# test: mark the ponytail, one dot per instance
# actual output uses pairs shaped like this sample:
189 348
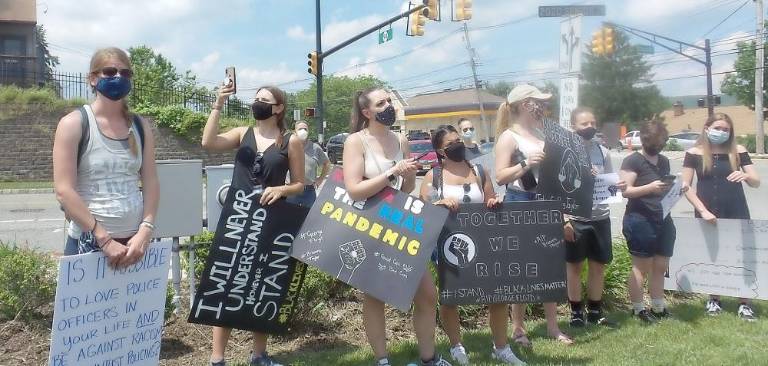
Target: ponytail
360 101
503 118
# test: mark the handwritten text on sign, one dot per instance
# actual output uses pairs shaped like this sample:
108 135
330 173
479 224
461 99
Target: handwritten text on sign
513 253
606 189
104 316
729 258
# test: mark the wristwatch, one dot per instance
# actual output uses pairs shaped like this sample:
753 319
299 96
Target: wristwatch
392 177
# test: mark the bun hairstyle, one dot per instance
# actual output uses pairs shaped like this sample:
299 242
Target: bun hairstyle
101 59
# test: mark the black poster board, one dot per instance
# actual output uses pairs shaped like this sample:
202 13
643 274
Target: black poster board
380 246
250 280
565 175
513 253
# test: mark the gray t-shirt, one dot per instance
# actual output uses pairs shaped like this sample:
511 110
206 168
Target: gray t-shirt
314 158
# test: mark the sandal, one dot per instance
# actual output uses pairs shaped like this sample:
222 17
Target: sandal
522 340
563 338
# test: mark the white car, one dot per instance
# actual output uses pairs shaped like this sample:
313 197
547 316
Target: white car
686 140
632 138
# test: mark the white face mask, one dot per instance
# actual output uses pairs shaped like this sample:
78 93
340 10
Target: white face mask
302 134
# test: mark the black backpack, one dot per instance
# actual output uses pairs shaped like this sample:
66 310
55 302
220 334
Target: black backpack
85 133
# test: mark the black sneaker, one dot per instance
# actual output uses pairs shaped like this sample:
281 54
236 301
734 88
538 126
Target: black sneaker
646 316
662 314
577 319
596 317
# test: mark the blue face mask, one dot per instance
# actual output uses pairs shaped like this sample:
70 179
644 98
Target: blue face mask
717 137
114 88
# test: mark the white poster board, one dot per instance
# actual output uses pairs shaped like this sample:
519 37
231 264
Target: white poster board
729 258
606 189
104 316
569 99
570 45
672 197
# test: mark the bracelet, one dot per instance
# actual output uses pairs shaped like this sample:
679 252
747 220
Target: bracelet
95 222
148 225
102 246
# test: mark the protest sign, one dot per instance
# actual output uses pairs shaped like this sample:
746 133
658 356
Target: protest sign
606 189
513 253
106 316
250 281
565 175
672 197
729 258
380 246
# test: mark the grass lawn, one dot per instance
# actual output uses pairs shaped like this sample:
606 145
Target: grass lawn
25 185
689 338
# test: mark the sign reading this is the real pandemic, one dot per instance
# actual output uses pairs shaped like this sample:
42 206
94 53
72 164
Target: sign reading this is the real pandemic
380 246
513 253
107 316
729 258
565 175
250 280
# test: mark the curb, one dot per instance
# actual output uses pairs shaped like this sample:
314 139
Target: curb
26 191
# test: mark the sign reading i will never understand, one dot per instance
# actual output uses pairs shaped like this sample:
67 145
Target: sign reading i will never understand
380 246
106 316
513 253
565 175
250 281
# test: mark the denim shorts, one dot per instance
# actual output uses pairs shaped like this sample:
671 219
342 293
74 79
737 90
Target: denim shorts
514 195
306 198
648 237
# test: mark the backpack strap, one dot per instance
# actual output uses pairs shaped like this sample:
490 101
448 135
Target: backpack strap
85 134
480 172
140 130
437 180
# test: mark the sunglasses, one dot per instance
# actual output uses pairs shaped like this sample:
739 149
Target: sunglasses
467 129
110 71
466 198
257 168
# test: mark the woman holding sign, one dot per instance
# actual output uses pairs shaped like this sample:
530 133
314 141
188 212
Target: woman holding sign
101 153
519 151
720 165
455 181
277 152
650 236
374 158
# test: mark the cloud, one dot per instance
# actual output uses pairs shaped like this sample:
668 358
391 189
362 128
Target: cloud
354 68
339 31
297 33
205 65
250 78
646 11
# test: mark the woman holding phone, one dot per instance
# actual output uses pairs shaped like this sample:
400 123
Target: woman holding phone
278 152
374 158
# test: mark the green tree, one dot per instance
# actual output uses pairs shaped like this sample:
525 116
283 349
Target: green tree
337 94
500 88
741 83
554 102
157 82
619 87
49 61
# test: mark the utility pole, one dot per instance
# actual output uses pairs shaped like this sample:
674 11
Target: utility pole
708 65
319 96
473 64
759 62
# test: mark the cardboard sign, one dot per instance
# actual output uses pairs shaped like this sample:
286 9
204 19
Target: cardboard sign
565 175
606 189
514 253
380 246
729 258
104 316
674 195
250 281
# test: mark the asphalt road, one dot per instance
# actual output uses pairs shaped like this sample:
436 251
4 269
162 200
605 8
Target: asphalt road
35 219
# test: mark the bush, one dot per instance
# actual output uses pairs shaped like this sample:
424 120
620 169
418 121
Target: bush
673 145
749 143
27 281
15 101
202 246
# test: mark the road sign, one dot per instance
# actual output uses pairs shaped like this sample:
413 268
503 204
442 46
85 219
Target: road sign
645 49
569 99
570 45
296 114
385 35
569 10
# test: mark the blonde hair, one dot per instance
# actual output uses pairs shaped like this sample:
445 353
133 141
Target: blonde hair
730 145
99 60
506 116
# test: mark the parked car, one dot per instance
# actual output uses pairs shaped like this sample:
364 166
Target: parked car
335 147
685 140
428 161
632 138
418 135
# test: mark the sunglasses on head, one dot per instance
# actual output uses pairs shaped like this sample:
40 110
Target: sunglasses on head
110 71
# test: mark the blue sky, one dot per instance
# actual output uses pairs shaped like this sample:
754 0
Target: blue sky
267 40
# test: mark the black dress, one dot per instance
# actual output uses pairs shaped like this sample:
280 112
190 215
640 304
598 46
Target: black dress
724 199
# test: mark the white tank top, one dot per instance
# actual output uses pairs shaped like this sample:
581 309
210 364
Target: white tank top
376 165
108 182
527 147
457 192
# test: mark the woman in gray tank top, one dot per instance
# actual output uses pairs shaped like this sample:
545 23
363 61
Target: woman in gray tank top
101 154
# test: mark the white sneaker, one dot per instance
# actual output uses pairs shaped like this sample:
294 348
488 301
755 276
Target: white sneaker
459 354
506 356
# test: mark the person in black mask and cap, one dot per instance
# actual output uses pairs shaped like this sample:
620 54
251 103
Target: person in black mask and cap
278 151
589 238
650 236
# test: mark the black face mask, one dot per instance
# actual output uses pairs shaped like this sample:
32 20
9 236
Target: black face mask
387 117
587 133
455 152
261 110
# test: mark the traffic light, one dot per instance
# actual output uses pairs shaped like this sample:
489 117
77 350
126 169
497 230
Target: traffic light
598 46
416 23
603 42
608 44
433 6
313 63
462 10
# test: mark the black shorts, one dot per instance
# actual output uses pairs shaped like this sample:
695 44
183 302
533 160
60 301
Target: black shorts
593 241
647 238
